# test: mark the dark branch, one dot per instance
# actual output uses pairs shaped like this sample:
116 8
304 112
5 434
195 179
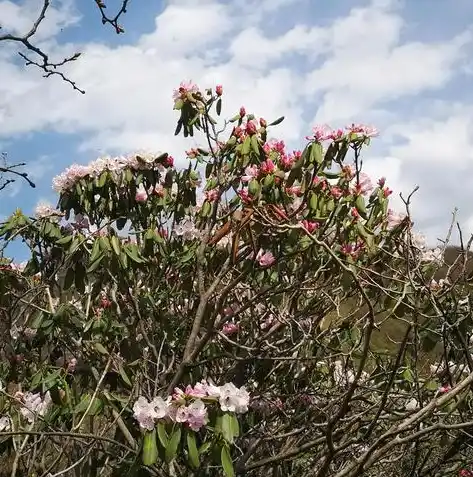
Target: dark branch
11 170
43 62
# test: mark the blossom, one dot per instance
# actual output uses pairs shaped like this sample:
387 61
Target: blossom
196 415
268 166
233 399
363 130
219 90
394 219
230 329
141 194
251 128
242 111
364 184
322 132
43 210
5 424
211 195
265 259
184 89
146 413
336 192
34 405
310 226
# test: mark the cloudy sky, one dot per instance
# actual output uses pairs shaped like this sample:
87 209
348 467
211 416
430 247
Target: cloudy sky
404 66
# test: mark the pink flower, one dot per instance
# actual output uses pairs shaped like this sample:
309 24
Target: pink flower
381 181
265 259
211 195
219 90
361 129
168 161
229 329
268 167
198 391
242 111
245 196
394 219
387 192
251 172
141 194
322 132
336 192
354 213
184 88
445 389
294 190
181 414
196 415
364 186
159 190
146 413
251 128
310 226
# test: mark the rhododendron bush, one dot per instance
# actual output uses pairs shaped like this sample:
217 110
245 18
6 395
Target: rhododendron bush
260 310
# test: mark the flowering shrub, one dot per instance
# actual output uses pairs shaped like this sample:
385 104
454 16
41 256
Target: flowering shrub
261 310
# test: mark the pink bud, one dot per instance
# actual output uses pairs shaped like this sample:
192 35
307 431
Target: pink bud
263 123
219 90
251 128
382 181
169 161
242 111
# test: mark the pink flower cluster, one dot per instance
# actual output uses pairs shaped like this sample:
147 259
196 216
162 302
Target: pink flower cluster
323 132
136 161
185 88
190 406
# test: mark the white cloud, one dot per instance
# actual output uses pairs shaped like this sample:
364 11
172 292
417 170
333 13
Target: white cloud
18 18
350 68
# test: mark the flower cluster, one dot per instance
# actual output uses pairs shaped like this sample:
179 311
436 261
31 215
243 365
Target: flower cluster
136 161
189 406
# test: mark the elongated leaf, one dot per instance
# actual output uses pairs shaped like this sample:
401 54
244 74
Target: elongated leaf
227 463
115 244
124 376
278 121
173 444
192 449
150 449
162 434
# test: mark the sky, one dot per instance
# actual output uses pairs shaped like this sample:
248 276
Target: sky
404 66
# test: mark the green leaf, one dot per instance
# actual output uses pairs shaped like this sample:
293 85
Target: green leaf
227 463
84 403
316 153
173 444
360 206
69 278
192 449
115 244
150 449
225 424
105 244
64 240
121 222
94 265
124 376
162 434
100 348
219 106
255 144
95 251
245 150
278 121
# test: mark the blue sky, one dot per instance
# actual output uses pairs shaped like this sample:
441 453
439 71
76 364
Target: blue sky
404 66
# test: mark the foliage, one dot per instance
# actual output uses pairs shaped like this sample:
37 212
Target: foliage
194 321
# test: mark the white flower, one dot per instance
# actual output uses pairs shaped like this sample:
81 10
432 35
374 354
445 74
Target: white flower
5 424
45 210
34 405
146 413
233 399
